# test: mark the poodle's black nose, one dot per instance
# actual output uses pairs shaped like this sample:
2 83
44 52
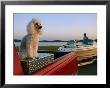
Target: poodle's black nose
40 27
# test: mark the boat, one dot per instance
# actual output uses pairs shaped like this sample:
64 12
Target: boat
67 47
84 52
65 65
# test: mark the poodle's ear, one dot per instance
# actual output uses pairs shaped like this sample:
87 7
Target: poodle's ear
30 28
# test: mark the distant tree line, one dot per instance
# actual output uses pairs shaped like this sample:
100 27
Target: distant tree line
90 40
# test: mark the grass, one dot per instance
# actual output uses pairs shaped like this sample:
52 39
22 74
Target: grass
48 48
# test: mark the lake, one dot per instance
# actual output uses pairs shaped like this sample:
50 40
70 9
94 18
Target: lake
45 43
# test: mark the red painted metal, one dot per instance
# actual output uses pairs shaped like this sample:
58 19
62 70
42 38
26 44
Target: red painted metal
66 66
17 68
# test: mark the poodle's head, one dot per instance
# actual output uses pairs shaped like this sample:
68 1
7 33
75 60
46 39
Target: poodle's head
35 26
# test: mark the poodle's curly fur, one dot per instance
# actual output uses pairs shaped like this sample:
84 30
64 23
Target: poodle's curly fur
29 43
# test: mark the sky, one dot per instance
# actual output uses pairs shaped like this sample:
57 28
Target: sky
58 26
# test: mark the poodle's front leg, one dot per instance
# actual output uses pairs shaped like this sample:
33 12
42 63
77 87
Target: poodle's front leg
30 48
35 49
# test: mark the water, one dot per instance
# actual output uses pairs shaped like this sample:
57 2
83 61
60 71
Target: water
45 43
49 43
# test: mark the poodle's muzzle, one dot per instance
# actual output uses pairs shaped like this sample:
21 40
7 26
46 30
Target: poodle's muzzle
38 26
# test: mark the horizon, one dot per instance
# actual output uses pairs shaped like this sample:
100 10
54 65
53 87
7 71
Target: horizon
17 40
57 40
58 26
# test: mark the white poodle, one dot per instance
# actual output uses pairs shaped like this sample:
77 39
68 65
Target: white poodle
29 44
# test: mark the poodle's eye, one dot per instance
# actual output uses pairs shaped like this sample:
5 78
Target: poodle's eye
36 23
